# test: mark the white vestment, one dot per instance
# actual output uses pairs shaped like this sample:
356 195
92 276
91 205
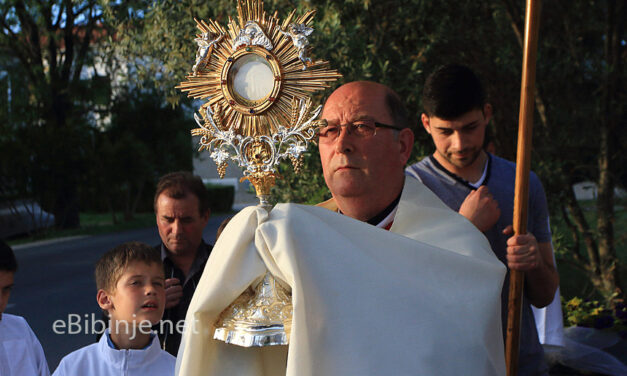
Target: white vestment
20 351
420 299
102 360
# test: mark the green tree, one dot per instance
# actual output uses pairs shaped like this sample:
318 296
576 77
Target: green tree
146 139
51 41
582 79
16 164
156 38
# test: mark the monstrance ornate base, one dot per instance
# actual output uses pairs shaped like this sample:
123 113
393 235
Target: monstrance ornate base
259 317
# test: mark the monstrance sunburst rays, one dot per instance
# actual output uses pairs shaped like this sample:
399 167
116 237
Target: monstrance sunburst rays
262 117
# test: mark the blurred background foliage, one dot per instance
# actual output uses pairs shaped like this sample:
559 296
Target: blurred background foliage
147 48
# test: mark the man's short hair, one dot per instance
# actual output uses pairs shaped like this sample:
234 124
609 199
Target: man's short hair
179 184
397 110
111 266
8 263
451 91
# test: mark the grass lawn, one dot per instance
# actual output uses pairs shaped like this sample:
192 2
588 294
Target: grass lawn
94 223
91 224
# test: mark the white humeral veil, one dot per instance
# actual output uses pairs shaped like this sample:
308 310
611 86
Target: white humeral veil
420 299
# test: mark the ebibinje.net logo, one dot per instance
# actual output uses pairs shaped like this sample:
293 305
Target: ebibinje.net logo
90 324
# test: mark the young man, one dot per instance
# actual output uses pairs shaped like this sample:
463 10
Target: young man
20 351
182 212
131 291
480 186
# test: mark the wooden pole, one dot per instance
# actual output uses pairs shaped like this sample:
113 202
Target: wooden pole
521 193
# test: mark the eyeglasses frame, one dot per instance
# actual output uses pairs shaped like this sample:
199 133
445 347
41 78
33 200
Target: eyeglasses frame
376 125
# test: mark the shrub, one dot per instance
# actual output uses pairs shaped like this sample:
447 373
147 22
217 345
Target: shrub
593 314
220 197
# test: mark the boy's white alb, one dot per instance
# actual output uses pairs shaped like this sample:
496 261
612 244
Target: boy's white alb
20 351
99 359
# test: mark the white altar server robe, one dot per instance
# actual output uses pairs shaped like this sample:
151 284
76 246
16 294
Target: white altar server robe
100 359
20 351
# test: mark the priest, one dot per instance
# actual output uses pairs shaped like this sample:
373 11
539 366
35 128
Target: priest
389 281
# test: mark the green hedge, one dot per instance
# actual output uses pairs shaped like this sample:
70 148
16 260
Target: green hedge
220 197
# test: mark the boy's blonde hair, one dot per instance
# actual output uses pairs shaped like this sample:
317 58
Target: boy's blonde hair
111 266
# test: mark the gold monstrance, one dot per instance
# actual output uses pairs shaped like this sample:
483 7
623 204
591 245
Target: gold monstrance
257 79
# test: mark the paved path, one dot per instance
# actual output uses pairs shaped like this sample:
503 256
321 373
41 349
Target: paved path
55 283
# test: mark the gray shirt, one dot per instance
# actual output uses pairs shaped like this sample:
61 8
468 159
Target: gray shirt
499 178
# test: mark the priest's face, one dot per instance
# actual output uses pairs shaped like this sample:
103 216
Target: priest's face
364 167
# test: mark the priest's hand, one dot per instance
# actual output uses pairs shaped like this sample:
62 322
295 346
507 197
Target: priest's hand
480 208
173 292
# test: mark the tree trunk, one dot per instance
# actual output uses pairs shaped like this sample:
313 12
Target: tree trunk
109 201
611 282
138 197
64 157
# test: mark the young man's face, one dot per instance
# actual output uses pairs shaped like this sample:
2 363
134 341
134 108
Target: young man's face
139 295
458 142
6 285
180 223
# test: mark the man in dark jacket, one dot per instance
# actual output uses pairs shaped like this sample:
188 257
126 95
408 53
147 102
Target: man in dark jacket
182 212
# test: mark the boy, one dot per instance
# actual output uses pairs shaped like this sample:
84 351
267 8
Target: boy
20 351
130 284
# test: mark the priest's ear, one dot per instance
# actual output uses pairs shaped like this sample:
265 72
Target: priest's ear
104 300
406 142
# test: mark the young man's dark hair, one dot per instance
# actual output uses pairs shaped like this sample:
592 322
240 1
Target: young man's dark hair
451 91
8 263
179 184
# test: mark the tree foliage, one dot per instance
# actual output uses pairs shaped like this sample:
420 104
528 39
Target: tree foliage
580 100
46 45
74 131
146 139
